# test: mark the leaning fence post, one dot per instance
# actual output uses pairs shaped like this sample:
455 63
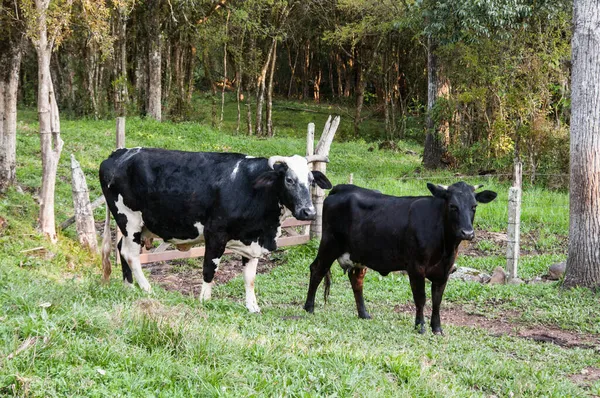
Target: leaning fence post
310 150
84 217
514 223
318 196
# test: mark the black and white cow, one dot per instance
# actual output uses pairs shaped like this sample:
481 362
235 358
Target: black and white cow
222 199
367 229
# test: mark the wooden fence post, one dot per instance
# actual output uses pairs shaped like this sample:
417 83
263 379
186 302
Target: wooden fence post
84 216
514 223
323 147
310 150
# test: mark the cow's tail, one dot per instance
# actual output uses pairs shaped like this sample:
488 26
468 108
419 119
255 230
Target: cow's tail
106 246
327 285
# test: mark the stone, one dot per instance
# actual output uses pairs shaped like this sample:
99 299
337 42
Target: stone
498 276
537 279
516 281
469 275
556 271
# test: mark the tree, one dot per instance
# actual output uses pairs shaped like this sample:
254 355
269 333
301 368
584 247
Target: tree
41 15
11 50
583 263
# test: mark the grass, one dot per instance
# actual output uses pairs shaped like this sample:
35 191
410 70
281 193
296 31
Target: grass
81 338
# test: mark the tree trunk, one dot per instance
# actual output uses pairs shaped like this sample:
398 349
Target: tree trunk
8 116
51 143
238 94
360 98
249 115
270 92
306 71
339 64
292 70
583 263
434 148
260 89
154 77
141 79
317 86
224 66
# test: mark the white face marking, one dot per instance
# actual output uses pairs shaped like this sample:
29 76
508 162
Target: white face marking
198 239
249 277
206 291
235 170
299 166
254 250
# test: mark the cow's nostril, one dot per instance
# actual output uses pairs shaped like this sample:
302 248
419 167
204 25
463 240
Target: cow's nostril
468 235
307 213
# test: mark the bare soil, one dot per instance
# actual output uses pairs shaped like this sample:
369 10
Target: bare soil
528 244
507 325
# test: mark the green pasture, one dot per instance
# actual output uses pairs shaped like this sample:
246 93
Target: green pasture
63 333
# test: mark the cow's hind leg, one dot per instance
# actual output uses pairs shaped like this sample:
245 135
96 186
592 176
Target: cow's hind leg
356 276
249 277
437 291
130 258
215 247
417 284
318 270
127 275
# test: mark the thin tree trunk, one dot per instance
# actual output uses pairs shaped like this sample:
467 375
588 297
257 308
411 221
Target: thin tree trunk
583 263
121 94
155 75
260 89
224 65
348 74
292 69
249 115
238 93
338 67
360 98
434 149
306 71
317 86
51 143
270 92
330 71
8 116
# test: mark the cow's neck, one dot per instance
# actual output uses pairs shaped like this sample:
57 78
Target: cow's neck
451 243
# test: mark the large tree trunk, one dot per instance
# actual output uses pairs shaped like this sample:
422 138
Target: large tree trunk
260 89
51 143
270 92
8 115
583 263
154 77
434 143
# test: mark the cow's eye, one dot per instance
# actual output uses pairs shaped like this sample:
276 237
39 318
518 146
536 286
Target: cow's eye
289 181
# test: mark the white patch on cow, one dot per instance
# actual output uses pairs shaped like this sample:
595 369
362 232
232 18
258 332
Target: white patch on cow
206 291
346 263
254 250
250 157
249 277
130 250
216 262
299 166
198 239
235 170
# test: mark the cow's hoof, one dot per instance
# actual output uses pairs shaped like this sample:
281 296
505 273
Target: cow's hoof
438 332
146 287
364 316
253 308
127 284
420 328
309 308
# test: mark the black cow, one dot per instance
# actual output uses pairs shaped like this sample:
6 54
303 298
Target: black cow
224 199
366 229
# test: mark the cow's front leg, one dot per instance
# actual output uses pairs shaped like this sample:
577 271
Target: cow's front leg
215 247
417 284
437 291
249 277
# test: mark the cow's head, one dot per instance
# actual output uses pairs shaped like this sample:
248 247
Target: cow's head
292 179
461 203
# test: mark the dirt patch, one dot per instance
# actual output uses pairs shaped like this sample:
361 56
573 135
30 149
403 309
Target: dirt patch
488 243
586 377
507 325
179 275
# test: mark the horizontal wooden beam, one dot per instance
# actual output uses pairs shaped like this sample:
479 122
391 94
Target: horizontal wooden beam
292 222
199 251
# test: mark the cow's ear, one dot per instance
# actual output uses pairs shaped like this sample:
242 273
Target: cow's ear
266 179
437 190
321 180
485 196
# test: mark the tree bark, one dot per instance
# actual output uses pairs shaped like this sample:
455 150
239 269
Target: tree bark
583 263
121 94
8 115
270 92
155 76
51 143
434 148
360 98
84 216
224 66
292 70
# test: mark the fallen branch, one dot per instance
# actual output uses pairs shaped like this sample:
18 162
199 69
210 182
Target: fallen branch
95 204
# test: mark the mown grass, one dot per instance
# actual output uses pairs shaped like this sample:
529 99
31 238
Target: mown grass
88 339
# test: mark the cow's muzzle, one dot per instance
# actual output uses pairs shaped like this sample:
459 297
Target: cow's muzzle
467 234
306 213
